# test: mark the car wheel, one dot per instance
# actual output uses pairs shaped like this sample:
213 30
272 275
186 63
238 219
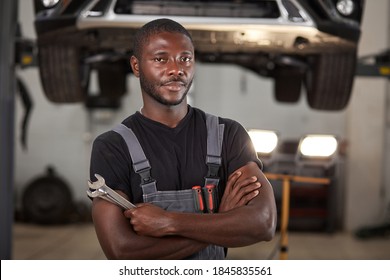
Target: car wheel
112 78
112 85
287 85
47 200
329 80
63 75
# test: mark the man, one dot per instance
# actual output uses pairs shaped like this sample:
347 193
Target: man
195 178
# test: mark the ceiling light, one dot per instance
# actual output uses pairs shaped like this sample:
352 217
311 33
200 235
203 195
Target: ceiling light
264 141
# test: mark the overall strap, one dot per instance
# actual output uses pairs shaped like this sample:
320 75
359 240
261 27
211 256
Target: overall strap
141 164
214 149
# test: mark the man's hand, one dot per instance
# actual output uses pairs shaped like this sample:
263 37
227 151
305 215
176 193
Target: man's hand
238 192
149 220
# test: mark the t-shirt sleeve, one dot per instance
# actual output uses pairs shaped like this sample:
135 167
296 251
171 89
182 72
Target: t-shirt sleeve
110 159
239 148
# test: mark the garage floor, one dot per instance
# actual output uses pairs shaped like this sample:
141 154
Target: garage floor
79 242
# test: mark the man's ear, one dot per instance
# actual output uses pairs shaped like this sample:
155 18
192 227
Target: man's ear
134 65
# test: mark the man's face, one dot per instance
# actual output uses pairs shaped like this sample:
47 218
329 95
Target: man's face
166 67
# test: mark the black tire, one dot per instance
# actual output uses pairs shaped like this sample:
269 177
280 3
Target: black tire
329 80
47 200
112 85
63 75
287 85
112 78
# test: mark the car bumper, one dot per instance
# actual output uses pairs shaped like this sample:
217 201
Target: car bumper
294 29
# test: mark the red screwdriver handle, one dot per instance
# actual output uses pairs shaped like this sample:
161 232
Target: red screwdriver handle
210 193
198 198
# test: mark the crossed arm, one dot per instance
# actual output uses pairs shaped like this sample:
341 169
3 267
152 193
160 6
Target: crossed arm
247 215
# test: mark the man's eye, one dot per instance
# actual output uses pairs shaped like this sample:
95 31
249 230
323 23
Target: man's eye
186 59
159 59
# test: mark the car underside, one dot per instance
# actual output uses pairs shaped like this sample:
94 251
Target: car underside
304 46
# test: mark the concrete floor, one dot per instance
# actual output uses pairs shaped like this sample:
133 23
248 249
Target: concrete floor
79 242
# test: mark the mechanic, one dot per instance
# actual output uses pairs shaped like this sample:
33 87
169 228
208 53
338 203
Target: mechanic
195 178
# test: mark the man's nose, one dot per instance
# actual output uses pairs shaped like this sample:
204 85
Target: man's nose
175 68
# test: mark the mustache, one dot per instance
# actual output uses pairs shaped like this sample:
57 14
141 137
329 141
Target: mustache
174 79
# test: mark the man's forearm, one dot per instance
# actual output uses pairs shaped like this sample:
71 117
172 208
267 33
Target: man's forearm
144 247
239 225
169 247
119 241
236 228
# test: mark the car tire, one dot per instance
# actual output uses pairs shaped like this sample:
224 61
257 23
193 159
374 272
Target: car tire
63 75
287 85
47 200
112 78
329 80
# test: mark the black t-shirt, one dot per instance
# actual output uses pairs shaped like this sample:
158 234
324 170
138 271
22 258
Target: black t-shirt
177 155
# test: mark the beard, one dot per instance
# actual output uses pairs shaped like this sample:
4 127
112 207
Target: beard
151 89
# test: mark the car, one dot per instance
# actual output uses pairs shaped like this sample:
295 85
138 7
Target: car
305 46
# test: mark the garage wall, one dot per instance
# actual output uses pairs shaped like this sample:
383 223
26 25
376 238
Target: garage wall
367 186
61 135
229 86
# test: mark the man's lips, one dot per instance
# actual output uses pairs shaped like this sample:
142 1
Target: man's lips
174 85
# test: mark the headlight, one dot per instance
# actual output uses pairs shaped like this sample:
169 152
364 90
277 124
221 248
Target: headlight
345 7
264 141
49 3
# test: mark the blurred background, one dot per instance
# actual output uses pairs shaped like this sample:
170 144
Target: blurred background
347 217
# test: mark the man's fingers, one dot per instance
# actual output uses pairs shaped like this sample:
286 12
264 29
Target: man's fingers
248 197
239 193
232 180
244 183
247 189
129 213
245 194
235 174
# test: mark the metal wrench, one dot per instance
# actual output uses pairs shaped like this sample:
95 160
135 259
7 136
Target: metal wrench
100 189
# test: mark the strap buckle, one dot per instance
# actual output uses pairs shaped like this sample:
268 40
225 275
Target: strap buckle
213 170
142 168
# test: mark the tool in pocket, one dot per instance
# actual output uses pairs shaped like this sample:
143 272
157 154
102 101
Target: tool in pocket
205 199
198 198
211 197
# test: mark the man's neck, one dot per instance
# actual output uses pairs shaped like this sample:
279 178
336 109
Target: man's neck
169 116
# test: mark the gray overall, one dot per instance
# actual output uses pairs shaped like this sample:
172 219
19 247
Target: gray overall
181 200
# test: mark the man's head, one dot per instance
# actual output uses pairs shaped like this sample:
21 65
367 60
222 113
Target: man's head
164 61
154 27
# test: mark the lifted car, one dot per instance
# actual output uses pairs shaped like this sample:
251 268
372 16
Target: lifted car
300 44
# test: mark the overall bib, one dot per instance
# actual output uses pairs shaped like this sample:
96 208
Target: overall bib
181 200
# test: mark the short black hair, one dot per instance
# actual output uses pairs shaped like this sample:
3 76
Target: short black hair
154 27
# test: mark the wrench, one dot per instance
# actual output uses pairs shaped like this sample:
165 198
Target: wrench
100 189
